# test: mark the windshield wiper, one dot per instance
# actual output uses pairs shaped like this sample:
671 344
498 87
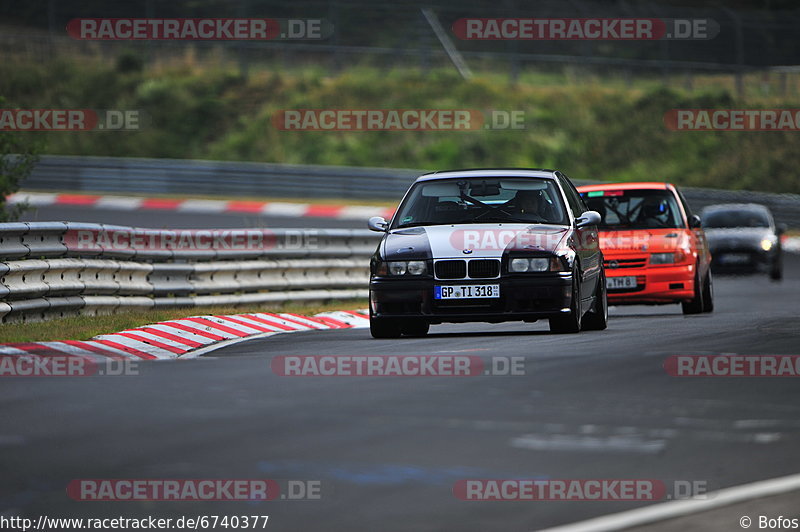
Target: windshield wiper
510 219
500 219
414 224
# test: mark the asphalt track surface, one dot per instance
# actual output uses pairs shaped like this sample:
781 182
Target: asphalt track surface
388 450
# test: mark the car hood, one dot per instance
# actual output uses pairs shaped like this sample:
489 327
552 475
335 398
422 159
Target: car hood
643 241
478 240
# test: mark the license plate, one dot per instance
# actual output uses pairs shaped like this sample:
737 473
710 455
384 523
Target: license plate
613 283
734 258
469 291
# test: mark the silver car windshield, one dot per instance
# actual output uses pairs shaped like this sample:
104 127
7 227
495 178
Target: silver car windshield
481 200
743 218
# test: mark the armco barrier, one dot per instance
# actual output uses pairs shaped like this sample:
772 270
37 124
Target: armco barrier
138 176
52 270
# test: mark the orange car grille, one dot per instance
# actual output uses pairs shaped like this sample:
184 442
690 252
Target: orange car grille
625 263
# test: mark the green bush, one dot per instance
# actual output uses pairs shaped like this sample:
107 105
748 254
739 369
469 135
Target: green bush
591 132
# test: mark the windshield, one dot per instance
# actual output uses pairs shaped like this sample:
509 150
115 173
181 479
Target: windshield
738 218
634 209
479 200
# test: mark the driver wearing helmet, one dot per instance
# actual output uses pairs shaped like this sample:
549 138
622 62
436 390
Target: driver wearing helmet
532 202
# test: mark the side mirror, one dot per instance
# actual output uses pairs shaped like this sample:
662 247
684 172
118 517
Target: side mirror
378 223
588 218
780 229
695 222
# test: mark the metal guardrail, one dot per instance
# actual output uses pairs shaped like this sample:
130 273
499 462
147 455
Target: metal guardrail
176 176
50 270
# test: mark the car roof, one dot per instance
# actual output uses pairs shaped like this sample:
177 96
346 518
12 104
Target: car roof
488 172
655 185
736 207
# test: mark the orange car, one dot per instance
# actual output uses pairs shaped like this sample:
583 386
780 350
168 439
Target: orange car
654 248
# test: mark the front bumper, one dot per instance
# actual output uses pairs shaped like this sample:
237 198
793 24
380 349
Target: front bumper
525 298
655 284
739 259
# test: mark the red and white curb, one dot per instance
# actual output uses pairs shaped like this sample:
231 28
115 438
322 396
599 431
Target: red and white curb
204 206
207 206
791 244
188 337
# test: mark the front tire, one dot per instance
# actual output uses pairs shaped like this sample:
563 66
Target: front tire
776 271
570 323
384 327
597 318
708 293
415 328
695 305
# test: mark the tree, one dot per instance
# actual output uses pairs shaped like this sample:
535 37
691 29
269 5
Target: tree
17 157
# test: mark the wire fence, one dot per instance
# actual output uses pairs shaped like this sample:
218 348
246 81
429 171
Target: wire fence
755 47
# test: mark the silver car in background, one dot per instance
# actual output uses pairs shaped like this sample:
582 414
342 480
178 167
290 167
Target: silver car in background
744 238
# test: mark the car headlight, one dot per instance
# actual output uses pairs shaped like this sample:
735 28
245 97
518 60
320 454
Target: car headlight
402 267
417 267
662 258
519 265
539 264
398 268
766 244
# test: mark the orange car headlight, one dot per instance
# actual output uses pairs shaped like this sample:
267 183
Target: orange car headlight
673 257
663 258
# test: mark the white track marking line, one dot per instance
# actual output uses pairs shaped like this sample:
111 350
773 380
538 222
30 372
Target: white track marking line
578 443
674 509
225 343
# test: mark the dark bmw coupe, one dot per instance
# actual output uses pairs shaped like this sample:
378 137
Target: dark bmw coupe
488 246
